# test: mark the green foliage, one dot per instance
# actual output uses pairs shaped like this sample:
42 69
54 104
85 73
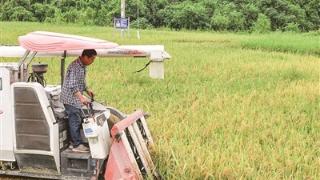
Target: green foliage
220 22
21 14
220 15
152 11
141 23
6 11
88 16
42 11
292 27
236 21
262 25
250 12
71 16
187 15
24 3
282 12
57 17
102 17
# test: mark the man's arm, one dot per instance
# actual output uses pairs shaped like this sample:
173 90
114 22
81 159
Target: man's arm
90 93
73 84
81 97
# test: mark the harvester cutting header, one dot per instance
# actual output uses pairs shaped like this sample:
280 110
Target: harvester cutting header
34 136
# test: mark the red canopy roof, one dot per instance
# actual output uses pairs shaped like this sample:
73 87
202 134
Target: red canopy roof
42 41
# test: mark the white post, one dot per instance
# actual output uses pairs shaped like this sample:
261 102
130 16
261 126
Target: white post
156 67
123 12
123 8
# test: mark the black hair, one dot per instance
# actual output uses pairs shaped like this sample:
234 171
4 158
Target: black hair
89 53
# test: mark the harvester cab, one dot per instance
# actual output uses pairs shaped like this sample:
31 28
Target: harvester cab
34 139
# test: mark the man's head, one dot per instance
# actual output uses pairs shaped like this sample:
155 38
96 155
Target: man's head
88 55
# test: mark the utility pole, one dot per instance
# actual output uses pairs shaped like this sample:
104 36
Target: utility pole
123 8
123 13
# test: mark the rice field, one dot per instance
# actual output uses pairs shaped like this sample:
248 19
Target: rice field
231 106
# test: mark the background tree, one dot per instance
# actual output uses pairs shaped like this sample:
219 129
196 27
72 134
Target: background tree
262 25
230 15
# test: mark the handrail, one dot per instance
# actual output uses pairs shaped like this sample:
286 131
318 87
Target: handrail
123 124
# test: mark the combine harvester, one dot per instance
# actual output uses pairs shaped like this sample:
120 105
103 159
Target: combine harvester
33 123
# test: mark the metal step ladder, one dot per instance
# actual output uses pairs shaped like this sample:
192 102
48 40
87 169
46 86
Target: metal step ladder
77 164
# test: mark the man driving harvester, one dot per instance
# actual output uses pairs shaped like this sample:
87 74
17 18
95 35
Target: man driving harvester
72 96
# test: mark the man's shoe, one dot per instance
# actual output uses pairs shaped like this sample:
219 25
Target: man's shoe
80 148
70 146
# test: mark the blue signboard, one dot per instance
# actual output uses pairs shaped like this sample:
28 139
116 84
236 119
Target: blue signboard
121 23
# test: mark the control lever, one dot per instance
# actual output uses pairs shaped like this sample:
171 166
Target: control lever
90 109
90 106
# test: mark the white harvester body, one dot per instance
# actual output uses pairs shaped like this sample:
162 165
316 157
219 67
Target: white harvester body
34 137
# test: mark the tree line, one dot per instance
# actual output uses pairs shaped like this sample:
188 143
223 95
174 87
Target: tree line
218 15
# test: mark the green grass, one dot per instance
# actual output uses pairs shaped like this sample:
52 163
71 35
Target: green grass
308 43
231 106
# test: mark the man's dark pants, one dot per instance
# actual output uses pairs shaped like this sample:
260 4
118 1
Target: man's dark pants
75 120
